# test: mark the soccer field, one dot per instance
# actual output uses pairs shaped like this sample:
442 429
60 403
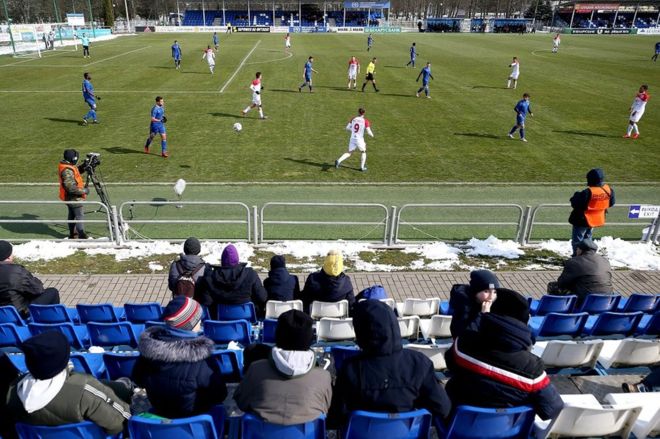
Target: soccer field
580 98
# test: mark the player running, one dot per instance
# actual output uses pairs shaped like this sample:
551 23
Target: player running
413 55
353 70
370 42
209 55
256 88
556 41
371 70
521 109
307 74
287 42
176 54
515 72
637 111
157 126
426 76
357 126
216 41
657 52
90 98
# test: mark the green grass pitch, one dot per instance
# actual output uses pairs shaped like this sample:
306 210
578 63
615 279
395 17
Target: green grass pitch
580 99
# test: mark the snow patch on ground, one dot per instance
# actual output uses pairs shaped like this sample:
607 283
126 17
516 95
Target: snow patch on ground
633 255
562 248
43 250
155 266
495 247
435 251
313 249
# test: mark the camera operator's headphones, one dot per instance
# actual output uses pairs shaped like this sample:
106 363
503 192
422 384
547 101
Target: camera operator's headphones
71 156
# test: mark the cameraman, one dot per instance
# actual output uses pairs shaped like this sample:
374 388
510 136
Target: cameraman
72 188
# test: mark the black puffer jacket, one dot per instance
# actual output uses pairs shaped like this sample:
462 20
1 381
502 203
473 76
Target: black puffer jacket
493 367
176 369
231 285
280 285
325 288
385 377
18 287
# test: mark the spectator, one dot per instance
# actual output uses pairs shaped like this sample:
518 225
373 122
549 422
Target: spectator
329 284
187 270
175 365
384 377
590 207
51 394
280 285
468 302
492 366
18 287
287 388
231 283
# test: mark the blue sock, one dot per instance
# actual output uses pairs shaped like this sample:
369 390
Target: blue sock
93 112
522 133
90 115
163 145
513 130
146 145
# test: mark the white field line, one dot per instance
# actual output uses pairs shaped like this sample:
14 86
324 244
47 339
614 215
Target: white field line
348 183
239 67
69 66
272 60
114 91
116 56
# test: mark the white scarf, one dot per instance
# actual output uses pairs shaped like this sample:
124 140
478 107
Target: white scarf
293 363
36 394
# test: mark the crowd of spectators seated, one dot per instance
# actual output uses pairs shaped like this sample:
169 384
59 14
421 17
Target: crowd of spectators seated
510 29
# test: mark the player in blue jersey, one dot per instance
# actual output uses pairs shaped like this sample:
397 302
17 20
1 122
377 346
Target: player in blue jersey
370 42
413 55
657 52
157 126
426 76
176 54
307 74
522 108
216 41
90 98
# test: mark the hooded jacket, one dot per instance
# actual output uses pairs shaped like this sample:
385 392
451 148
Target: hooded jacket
585 274
18 287
188 263
493 367
326 288
384 377
176 369
231 285
285 389
280 285
580 200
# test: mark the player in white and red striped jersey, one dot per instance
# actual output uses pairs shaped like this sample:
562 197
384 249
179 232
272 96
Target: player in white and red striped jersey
256 88
209 56
357 126
637 111
353 70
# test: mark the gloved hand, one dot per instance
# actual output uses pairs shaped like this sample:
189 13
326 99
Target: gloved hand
164 119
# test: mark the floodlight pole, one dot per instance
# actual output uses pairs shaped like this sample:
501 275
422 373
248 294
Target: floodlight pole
91 18
11 37
128 19
57 12
203 14
536 8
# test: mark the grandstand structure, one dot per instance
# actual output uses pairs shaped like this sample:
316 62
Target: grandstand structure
592 14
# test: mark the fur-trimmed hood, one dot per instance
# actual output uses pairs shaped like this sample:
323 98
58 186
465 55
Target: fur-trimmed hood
161 344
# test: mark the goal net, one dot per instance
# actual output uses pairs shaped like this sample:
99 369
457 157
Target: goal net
67 37
26 38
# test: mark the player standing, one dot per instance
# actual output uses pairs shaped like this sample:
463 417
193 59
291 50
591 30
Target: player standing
176 54
426 75
556 40
216 41
84 40
353 70
521 109
209 55
515 72
370 42
287 42
90 98
371 70
657 52
357 126
413 55
307 74
256 88
157 126
637 111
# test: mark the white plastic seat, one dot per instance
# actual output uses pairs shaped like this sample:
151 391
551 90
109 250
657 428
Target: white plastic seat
439 327
329 309
421 307
409 327
275 307
389 301
568 353
629 352
436 353
648 422
333 329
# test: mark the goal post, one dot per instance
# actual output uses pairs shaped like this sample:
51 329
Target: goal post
27 40
67 37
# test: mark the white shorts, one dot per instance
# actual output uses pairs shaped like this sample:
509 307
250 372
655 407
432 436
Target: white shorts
352 74
635 116
357 144
287 45
512 76
256 99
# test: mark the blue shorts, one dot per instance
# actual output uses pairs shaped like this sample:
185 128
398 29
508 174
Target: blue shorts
91 103
425 83
520 119
308 78
177 58
157 128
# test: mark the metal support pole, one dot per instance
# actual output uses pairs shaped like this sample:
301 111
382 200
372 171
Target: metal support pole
115 225
91 18
344 16
572 16
536 8
203 14
224 17
128 20
57 12
654 229
255 225
300 16
249 18
11 37
393 226
635 15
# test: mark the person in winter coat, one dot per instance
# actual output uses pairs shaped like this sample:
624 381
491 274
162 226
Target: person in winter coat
590 206
384 377
492 366
189 264
231 283
469 302
51 394
329 284
18 287
287 388
280 285
175 365
586 273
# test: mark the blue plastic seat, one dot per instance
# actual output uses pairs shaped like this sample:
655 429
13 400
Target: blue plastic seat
445 308
268 331
613 323
342 353
550 303
557 324
242 311
18 361
230 364
224 332
119 365
369 425
647 303
11 336
89 363
143 312
8 314
100 313
210 426
113 334
256 428
81 430
649 325
53 314
599 303
498 423
76 334
150 323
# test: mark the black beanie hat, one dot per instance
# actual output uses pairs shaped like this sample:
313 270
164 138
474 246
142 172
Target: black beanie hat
277 261
482 280
6 250
71 155
192 246
510 303
46 354
294 331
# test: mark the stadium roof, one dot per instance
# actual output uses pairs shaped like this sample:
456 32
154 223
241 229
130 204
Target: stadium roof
611 2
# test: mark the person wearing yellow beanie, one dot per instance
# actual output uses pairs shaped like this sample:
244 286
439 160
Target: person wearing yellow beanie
330 284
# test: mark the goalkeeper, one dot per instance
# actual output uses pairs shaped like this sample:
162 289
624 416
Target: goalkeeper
157 126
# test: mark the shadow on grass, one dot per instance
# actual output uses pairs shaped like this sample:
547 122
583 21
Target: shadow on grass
55 119
480 135
32 229
400 95
396 67
282 90
489 86
580 133
185 166
324 166
232 115
122 150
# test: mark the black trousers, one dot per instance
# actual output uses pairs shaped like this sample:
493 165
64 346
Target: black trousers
85 50
50 296
76 213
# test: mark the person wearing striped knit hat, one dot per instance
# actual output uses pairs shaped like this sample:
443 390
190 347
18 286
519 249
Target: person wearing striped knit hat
175 366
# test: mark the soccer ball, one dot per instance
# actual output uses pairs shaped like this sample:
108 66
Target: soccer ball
238 127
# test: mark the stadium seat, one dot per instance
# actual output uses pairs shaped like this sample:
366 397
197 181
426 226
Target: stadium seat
436 327
275 307
407 425
409 327
421 307
560 354
445 308
599 303
646 303
496 423
120 364
647 423
53 314
242 311
209 426
549 303
143 312
100 313
649 326
8 314
91 364
332 329
150 323
18 361
11 336
558 325
268 331
435 353
255 428
114 334
76 334
342 353
329 309
629 352
231 366
81 430
224 332
612 323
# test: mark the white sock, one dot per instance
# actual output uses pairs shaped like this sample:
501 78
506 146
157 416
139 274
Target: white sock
261 112
508 83
343 157
246 109
630 128
635 128
363 160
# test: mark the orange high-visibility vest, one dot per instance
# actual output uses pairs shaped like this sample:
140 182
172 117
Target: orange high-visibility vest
598 204
76 175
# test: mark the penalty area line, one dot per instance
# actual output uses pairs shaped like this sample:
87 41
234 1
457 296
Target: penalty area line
115 56
231 78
